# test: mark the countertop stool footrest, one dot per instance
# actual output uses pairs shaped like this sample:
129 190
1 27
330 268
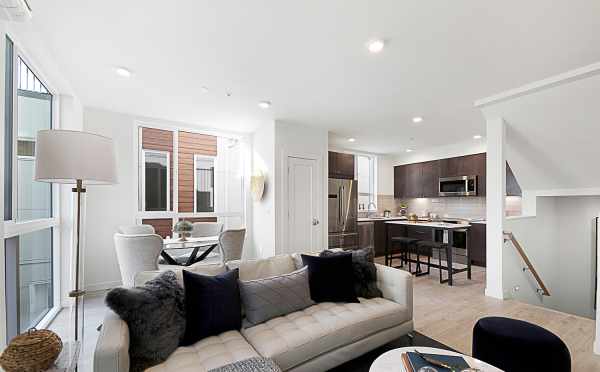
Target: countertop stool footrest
406 244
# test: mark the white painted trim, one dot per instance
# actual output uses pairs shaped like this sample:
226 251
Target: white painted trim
12 228
143 174
49 317
102 286
593 191
564 78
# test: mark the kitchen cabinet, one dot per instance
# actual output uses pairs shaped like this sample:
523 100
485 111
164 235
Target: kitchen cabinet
341 165
380 238
417 180
512 186
366 235
477 243
468 165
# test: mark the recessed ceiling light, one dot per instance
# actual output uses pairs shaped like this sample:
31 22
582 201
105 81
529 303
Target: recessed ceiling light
417 119
375 45
264 104
409 150
477 136
351 139
204 89
123 72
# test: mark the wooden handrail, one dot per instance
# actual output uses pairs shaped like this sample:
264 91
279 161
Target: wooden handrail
508 236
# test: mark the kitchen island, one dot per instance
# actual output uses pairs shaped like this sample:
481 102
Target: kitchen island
428 232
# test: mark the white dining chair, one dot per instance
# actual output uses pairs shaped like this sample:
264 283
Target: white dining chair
231 243
137 253
136 229
202 229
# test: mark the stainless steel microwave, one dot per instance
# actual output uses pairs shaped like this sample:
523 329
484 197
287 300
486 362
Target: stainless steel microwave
458 186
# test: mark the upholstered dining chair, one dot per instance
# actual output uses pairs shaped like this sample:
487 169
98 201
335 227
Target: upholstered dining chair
137 253
136 229
232 244
202 229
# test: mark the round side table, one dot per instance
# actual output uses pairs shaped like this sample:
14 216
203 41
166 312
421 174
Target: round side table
391 361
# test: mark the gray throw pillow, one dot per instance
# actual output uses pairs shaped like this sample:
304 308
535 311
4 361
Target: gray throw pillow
155 315
268 298
365 271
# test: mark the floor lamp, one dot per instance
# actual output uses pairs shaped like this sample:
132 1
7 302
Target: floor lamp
79 158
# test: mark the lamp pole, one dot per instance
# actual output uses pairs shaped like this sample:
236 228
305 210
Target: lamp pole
77 292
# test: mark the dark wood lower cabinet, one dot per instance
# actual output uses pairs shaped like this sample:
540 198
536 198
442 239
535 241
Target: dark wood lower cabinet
477 243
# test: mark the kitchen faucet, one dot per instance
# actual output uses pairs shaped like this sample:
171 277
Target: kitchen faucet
369 211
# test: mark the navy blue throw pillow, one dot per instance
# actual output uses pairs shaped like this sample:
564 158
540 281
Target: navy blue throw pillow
331 278
212 305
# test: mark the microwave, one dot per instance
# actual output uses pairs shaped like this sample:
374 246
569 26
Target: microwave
458 186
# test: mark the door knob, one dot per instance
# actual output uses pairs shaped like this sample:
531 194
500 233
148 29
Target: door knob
315 221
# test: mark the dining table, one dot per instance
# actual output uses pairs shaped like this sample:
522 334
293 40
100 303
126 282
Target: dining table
205 244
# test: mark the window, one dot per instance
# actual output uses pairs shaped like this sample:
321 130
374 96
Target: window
156 180
29 219
365 172
204 173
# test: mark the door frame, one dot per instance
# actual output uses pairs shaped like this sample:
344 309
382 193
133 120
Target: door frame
281 222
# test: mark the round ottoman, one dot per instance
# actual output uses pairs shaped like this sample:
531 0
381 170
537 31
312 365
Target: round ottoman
514 345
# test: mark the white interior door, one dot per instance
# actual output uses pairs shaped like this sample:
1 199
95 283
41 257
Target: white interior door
304 225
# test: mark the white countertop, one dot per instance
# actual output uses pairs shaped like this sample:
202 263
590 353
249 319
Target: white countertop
373 219
438 225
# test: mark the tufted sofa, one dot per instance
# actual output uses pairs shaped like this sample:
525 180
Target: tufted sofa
317 338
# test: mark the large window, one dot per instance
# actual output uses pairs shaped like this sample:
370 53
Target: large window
205 183
156 180
28 215
365 174
191 175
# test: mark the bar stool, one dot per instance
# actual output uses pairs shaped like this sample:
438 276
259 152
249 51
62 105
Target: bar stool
405 245
428 247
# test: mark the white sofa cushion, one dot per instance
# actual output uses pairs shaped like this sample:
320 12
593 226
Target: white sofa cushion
297 337
263 268
208 353
197 268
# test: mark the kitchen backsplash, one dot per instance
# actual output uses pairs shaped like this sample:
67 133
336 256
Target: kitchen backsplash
467 207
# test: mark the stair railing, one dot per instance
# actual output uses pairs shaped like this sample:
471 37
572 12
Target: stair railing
542 290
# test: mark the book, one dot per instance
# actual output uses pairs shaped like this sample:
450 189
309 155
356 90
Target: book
457 362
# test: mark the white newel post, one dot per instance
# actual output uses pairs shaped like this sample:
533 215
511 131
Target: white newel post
495 199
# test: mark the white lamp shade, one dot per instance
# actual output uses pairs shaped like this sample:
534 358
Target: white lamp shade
65 156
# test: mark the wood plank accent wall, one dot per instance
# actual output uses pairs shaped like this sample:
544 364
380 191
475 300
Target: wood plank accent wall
191 144
162 226
160 140
200 219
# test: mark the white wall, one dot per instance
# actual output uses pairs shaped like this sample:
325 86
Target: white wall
299 141
110 206
385 175
560 242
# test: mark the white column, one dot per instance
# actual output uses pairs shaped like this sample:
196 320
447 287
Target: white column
495 199
597 340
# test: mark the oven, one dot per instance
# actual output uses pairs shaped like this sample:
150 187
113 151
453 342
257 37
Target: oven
458 186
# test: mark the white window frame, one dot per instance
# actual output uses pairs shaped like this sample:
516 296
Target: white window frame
143 178
214 160
14 228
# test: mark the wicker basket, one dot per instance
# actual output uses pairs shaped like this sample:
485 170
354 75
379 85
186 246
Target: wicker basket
32 351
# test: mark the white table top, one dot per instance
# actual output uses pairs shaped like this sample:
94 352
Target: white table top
437 225
174 243
391 361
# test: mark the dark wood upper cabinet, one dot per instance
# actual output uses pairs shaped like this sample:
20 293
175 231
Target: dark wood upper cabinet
430 175
341 165
399 181
413 187
512 186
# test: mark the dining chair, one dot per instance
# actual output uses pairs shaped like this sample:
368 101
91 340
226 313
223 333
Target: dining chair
137 253
202 229
232 244
137 229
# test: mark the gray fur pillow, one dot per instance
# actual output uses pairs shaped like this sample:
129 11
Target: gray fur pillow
364 269
155 315
268 298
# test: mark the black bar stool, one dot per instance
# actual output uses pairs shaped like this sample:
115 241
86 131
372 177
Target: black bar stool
427 247
405 245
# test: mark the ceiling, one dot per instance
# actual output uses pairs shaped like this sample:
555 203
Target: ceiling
309 58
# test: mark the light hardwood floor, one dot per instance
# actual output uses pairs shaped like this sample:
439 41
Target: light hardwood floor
446 314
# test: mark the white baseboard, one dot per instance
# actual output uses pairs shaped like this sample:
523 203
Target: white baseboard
597 347
494 294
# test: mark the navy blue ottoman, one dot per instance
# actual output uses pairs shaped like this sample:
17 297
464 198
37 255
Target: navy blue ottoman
514 345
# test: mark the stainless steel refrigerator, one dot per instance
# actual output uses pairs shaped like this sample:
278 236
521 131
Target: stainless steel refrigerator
343 210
